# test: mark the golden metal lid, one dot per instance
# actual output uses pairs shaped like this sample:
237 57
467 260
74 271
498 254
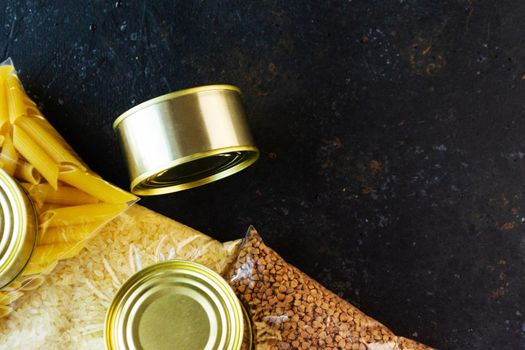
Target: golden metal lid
185 139
175 305
18 229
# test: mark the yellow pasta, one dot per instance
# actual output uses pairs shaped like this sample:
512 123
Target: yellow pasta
49 128
7 298
15 285
15 98
5 310
26 172
80 214
31 283
50 253
93 185
9 156
6 70
4 110
36 156
47 141
67 234
32 268
42 207
2 139
33 112
64 195
29 102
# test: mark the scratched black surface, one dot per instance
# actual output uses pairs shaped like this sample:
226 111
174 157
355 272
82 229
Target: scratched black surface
392 137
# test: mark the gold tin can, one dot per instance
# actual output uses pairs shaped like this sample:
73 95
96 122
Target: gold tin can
176 304
185 139
18 228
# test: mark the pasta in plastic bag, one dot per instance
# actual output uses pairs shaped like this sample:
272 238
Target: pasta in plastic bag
289 310
69 202
69 312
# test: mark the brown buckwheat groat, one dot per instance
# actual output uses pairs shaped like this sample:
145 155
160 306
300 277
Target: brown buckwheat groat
290 310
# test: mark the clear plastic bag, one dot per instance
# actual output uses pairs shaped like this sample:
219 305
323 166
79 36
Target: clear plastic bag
69 312
69 201
289 310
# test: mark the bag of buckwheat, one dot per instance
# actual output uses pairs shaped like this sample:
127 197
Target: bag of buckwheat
290 310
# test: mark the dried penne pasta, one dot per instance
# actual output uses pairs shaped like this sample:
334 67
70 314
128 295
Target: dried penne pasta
64 195
39 118
7 298
33 112
36 156
67 234
80 214
29 102
15 98
5 310
47 141
4 110
50 253
27 172
31 283
43 207
32 268
93 185
2 139
6 70
9 156
15 285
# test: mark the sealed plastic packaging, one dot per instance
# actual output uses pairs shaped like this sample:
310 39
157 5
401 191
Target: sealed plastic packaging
289 310
69 311
51 202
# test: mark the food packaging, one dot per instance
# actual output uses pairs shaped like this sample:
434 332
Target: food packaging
290 310
51 202
69 310
185 139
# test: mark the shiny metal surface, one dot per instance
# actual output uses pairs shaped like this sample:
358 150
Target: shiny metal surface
185 139
18 229
175 305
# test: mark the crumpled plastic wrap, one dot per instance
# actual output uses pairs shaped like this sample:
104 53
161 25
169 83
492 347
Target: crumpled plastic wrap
71 202
290 310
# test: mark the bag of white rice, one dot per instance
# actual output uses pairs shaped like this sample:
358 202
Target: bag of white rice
69 312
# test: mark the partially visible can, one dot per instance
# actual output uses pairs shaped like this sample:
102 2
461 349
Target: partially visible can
185 139
18 228
176 304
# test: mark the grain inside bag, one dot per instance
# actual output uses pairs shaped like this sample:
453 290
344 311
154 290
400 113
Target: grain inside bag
51 202
290 310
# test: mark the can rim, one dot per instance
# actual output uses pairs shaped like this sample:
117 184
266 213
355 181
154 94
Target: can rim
124 289
251 151
172 95
26 214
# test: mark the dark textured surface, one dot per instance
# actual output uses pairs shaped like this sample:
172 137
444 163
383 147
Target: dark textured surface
392 137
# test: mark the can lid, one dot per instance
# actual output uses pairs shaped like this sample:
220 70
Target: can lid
175 304
17 229
185 139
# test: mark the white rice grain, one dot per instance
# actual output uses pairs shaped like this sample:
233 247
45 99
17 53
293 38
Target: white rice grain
68 310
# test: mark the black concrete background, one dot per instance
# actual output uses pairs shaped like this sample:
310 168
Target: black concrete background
391 132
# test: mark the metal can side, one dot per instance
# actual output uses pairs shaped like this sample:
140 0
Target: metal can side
18 228
185 139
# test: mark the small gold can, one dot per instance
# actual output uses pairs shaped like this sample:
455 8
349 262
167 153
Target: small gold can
185 139
176 304
18 228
